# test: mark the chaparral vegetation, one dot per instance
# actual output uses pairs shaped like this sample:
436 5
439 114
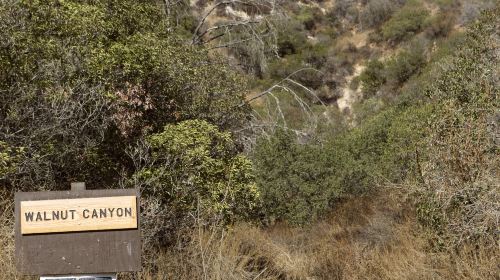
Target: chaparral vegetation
270 139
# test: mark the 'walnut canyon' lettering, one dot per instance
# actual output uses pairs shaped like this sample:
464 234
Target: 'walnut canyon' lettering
79 214
71 214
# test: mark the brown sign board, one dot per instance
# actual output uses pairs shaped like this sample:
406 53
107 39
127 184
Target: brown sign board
73 232
78 214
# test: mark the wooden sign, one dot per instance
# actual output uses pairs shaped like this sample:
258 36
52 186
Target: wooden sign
79 214
77 232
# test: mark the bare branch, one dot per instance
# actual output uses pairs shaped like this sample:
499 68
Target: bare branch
232 24
196 37
288 78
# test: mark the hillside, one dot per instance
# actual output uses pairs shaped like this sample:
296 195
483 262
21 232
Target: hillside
270 139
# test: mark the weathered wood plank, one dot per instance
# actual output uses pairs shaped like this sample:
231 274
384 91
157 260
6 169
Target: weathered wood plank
77 252
79 214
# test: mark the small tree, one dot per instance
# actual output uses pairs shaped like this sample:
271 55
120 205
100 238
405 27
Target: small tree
82 80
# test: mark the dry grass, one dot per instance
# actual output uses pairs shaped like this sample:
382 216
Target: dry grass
7 268
364 238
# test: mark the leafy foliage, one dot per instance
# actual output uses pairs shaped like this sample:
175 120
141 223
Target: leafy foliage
380 150
372 78
377 12
394 72
405 64
9 158
405 22
80 81
440 25
294 180
299 182
460 185
193 173
291 37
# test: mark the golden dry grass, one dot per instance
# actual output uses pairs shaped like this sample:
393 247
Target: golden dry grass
7 268
364 238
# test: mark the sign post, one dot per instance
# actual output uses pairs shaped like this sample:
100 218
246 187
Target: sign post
83 234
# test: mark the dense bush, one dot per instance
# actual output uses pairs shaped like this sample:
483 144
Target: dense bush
394 72
406 136
440 25
377 12
405 64
291 37
362 153
295 180
252 56
343 13
310 17
9 159
372 78
309 77
281 68
192 173
80 81
460 191
405 22
298 182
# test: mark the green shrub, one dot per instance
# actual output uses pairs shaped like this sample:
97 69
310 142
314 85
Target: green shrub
406 135
291 37
372 78
281 68
299 182
405 22
82 80
310 17
251 56
316 55
462 161
363 148
9 158
294 179
404 65
343 14
377 12
382 149
193 173
440 25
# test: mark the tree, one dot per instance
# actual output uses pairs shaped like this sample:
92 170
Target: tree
81 81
